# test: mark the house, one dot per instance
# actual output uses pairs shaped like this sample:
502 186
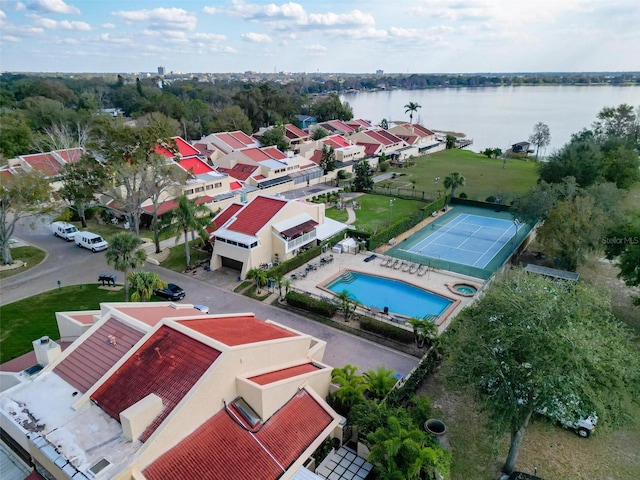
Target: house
265 230
521 147
178 150
305 121
379 141
345 150
335 126
228 142
151 391
359 124
295 137
50 164
416 135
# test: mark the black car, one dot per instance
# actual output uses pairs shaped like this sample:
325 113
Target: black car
172 292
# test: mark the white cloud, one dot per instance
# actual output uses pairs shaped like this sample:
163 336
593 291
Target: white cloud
19 6
256 37
64 24
209 37
10 38
108 25
316 48
355 17
107 37
161 18
271 12
363 33
53 6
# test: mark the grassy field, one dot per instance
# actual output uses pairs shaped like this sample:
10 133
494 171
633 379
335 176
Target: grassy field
31 318
30 255
484 176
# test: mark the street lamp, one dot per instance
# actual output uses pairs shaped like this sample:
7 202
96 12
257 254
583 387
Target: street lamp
435 186
391 202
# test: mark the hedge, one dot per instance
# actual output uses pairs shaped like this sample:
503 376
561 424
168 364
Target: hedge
305 302
478 203
386 330
402 394
302 258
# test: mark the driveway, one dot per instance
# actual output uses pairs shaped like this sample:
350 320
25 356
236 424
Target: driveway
71 265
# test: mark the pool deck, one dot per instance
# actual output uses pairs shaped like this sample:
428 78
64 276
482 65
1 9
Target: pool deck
436 281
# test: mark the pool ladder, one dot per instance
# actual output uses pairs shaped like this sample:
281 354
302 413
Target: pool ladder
348 277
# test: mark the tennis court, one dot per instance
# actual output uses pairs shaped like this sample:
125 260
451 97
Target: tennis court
469 240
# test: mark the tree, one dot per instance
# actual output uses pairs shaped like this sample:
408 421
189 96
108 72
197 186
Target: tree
347 305
124 253
17 137
399 453
80 183
573 228
487 152
259 276
423 330
451 142
411 108
453 181
231 119
619 122
331 108
533 342
621 166
622 242
364 177
533 206
496 152
384 124
275 136
143 284
351 387
328 159
186 217
581 158
540 136
379 382
319 133
22 196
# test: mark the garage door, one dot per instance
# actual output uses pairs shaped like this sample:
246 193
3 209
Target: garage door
231 263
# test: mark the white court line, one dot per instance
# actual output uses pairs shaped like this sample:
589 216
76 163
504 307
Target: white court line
497 251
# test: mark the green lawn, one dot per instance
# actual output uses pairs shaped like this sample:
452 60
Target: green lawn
27 320
32 256
484 177
177 260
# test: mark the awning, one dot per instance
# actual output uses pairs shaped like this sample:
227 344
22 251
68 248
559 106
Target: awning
302 228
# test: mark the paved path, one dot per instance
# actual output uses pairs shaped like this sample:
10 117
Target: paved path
71 265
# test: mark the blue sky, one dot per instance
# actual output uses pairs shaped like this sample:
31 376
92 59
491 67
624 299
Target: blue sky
357 36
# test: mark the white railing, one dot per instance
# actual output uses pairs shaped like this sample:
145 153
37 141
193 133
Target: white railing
300 241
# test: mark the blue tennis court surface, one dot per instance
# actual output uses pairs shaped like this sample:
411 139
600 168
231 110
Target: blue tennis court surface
468 239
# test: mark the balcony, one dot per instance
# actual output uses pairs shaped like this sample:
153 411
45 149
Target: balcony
301 240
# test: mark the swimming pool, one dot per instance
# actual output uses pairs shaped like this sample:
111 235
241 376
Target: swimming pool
380 292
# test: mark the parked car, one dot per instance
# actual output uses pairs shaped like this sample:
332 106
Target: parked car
583 426
171 292
90 241
64 230
202 308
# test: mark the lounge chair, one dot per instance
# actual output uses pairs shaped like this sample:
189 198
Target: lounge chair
397 264
422 270
384 261
405 266
414 268
391 262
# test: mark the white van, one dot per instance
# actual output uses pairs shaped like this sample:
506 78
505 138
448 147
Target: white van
91 241
64 230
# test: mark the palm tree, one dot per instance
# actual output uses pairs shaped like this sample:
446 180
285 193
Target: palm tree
259 276
400 453
187 216
346 304
410 108
124 253
379 382
423 330
453 181
351 387
143 285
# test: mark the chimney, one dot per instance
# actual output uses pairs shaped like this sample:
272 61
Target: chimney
46 350
138 417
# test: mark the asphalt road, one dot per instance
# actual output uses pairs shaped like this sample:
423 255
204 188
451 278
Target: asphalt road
71 265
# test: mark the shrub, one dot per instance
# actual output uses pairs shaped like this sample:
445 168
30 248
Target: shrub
490 199
304 302
386 330
463 195
383 166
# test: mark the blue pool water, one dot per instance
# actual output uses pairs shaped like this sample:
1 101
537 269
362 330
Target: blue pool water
400 297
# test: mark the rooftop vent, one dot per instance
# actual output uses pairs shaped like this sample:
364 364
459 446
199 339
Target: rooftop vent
100 465
247 412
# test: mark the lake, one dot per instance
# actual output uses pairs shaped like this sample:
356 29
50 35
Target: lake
497 117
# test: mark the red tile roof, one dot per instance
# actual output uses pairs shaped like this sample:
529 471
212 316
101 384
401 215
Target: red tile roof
44 162
170 205
97 354
335 141
370 148
255 215
240 171
168 364
234 331
71 155
222 450
341 126
389 136
222 218
316 157
294 133
272 377
232 141
256 154
274 153
196 165
235 185
185 149
423 131
205 149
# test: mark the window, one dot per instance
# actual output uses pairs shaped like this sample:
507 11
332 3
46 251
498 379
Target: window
199 189
218 184
188 192
209 187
